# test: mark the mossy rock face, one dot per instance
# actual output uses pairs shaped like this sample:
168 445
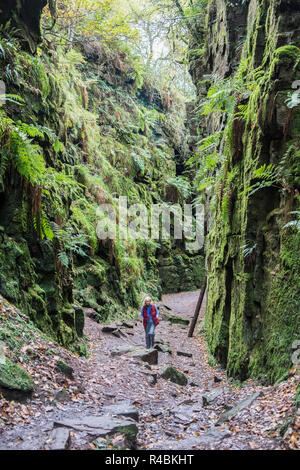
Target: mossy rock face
79 320
181 272
14 377
252 308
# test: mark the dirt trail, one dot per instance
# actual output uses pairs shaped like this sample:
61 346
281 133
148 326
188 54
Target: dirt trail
171 416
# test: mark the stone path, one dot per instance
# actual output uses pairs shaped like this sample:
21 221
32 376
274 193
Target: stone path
128 400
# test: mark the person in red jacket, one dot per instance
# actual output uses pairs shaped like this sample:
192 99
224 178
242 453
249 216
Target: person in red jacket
149 314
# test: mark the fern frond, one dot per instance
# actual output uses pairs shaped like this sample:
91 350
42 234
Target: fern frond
182 185
63 258
42 226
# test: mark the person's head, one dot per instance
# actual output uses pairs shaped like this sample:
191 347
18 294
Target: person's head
147 300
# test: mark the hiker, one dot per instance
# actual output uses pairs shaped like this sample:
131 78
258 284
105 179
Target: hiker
149 314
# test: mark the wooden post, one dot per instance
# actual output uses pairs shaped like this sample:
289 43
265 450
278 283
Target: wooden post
198 307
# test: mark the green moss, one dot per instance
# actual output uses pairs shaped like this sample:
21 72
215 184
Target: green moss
274 355
67 370
252 313
176 319
287 54
181 272
129 431
174 375
14 377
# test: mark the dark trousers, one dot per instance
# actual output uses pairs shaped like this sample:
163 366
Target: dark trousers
149 333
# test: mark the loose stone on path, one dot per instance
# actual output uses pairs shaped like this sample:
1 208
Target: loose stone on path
137 352
59 439
123 394
208 440
100 425
237 408
211 396
169 372
183 353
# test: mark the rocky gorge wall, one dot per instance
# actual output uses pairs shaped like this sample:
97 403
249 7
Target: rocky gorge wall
253 301
80 128
25 16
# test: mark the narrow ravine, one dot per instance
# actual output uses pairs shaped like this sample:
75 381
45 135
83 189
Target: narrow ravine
72 412
127 130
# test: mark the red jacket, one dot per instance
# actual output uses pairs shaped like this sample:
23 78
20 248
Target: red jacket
153 314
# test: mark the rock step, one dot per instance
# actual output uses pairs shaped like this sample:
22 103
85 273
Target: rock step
109 328
59 439
122 409
147 355
100 426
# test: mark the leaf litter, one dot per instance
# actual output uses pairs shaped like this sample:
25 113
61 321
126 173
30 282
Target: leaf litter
270 422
